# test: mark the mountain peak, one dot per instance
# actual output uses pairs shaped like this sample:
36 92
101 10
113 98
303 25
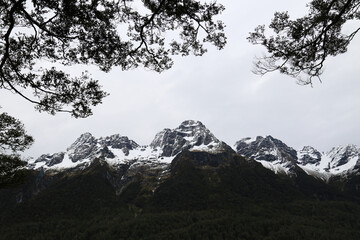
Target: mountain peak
191 123
269 151
309 155
83 139
265 148
189 135
117 141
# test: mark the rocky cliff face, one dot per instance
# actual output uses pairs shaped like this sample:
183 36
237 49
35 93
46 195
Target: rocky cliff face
309 155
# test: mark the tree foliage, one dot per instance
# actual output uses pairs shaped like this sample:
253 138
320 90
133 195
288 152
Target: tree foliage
12 134
300 47
11 170
14 138
105 33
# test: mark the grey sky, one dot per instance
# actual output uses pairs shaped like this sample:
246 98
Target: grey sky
217 89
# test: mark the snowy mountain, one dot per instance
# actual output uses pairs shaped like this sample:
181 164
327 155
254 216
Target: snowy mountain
117 149
309 155
339 160
270 152
191 135
84 150
277 156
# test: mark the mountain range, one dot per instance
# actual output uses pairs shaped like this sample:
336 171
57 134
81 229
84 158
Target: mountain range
192 135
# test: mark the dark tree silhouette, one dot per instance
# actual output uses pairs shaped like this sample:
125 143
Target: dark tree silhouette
300 47
12 170
13 138
106 33
13 135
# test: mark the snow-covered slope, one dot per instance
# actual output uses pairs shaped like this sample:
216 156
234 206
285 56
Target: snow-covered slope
339 160
117 149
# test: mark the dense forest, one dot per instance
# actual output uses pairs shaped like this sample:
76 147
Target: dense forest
228 199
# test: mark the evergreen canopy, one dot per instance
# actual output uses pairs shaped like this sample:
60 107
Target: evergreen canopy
106 33
300 47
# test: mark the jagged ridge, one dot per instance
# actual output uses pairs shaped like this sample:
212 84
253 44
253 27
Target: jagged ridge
117 149
192 135
277 156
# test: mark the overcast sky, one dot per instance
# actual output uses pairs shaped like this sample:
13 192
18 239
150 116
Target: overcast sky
218 89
